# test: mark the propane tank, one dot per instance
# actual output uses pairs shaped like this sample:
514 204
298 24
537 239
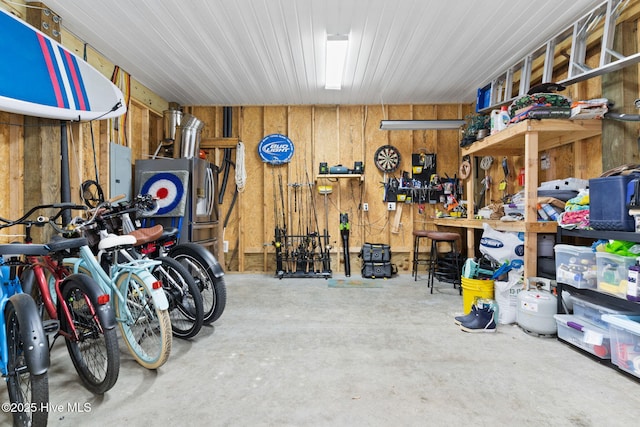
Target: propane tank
536 307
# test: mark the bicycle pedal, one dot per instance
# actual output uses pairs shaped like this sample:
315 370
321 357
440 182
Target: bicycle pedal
51 327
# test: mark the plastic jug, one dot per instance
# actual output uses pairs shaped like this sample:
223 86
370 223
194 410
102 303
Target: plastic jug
633 282
495 118
499 120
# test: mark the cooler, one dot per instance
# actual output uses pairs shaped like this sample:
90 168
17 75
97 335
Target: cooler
608 200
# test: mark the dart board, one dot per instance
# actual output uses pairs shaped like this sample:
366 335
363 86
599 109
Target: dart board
387 158
168 188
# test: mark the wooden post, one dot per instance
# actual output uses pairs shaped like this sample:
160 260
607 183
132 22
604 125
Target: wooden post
619 139
531 199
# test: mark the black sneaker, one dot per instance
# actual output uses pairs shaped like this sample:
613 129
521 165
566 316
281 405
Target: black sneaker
483 322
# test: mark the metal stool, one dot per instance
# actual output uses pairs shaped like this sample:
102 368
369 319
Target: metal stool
438 237
417 235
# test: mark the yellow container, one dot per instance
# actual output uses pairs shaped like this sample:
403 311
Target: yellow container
473 289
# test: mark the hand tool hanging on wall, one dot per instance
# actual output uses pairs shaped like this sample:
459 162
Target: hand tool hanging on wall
423 165
485 165
503 184
344 232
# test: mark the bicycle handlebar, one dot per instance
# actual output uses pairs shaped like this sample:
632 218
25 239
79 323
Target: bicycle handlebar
140 202
41 220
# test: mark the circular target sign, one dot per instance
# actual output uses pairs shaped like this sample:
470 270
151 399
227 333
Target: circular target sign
167 189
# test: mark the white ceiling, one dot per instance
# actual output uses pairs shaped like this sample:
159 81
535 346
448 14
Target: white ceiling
262 52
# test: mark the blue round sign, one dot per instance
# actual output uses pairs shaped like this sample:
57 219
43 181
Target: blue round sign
275 149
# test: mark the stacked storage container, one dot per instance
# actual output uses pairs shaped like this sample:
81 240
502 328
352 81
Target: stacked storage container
613 271
585 328
625 342
576 266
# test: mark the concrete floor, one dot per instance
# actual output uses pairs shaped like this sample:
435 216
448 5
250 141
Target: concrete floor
301 353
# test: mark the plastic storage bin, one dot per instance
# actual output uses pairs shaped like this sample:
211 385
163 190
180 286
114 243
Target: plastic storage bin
576 266
612 273
625 342
514 209
571 184
608 200
584 335
586 309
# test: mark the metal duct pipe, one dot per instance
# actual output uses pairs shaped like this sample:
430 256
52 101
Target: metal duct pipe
171 120
187 142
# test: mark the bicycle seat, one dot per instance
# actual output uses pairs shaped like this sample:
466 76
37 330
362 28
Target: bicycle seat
148 234
23 249
114 241
59 244
169 233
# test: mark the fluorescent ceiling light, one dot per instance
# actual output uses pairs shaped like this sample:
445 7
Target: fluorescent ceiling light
420 124
336 57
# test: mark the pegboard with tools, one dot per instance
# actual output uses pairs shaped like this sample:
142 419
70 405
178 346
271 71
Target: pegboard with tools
423 185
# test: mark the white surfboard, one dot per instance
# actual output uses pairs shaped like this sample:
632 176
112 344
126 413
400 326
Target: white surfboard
39 77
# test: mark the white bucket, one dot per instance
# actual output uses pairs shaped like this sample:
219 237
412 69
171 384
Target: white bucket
545 244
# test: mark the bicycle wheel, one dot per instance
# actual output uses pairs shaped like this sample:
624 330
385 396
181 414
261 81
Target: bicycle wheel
29 392
199 263
147 332
95 354
185 300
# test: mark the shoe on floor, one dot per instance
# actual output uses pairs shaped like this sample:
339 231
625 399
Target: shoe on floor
458 320
483 321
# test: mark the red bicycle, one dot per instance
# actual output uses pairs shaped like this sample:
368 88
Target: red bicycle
86 318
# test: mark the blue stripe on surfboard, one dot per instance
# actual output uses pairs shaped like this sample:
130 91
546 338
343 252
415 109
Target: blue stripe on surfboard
56 68
26 78
73 69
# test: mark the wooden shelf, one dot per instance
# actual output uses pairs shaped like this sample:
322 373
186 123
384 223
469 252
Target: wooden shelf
518 226
527 138
330 176
550 134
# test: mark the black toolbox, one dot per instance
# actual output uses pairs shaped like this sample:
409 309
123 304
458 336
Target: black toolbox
378 270
376 261
376 252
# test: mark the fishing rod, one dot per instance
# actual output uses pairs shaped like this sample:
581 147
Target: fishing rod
277 243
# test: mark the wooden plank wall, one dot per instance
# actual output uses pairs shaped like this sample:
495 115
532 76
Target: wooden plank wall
335 135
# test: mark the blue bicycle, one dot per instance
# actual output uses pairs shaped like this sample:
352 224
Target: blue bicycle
24 349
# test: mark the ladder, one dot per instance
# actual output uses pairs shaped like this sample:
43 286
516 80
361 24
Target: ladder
595 29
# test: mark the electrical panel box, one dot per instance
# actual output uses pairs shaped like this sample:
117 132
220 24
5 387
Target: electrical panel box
119 170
